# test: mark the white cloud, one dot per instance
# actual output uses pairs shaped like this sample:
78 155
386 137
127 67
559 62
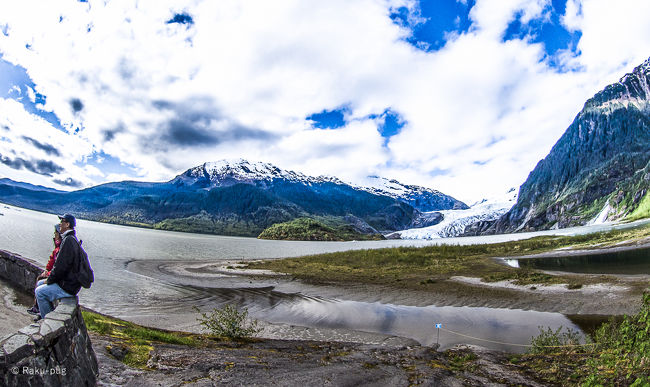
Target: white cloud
491 17
614 37
31 150
572 18
240 81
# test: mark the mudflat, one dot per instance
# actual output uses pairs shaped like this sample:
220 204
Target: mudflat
13 315
600 295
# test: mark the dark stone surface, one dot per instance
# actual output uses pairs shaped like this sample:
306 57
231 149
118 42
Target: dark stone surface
306 363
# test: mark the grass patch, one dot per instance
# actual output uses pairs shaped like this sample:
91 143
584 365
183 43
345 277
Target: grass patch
461 360
138 355
413 267
114 327
137 340
642 211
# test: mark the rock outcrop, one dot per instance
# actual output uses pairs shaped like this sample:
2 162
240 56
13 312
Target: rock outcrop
602 159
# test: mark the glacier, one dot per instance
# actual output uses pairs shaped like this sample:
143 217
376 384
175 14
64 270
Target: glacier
455 221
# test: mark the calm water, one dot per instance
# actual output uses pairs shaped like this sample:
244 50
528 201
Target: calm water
635 261
148 297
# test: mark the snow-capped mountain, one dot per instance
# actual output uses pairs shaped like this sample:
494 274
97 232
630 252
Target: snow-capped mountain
455 222
227 172
421 198
224 173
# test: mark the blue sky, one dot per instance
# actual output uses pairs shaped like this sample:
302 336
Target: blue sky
459 95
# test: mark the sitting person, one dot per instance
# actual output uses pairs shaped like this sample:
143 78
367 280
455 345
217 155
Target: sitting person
49 266
62 281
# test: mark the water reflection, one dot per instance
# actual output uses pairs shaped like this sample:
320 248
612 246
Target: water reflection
501 329
495 328
633 261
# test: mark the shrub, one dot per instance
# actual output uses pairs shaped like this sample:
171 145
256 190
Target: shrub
618 355
228 322
623 350
550 341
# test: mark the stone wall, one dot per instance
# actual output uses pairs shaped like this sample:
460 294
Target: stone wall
20 271
55 351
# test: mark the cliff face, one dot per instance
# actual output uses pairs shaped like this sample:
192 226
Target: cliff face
600 164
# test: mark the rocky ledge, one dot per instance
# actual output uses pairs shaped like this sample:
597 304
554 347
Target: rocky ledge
295 363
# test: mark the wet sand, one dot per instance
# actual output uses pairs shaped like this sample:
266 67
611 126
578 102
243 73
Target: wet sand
300 310
608 298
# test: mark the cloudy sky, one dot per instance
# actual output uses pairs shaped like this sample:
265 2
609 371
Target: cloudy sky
459 95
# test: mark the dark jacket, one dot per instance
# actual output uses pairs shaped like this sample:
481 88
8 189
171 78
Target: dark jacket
64 272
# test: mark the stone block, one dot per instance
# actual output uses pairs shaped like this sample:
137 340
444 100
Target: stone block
63 349
39 362
20 262
16 275
65 309
29 329
55 315
30 279
38 339
3 267
50 329
17 347
59 341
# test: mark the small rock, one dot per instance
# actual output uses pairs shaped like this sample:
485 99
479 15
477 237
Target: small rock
117 351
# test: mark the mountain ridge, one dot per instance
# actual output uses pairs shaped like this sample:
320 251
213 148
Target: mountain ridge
230 198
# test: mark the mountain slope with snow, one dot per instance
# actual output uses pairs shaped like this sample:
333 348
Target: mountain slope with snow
421 198
228 172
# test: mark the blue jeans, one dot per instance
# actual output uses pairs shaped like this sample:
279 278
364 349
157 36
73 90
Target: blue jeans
45 294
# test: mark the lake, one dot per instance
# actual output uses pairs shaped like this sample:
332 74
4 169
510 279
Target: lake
149 298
